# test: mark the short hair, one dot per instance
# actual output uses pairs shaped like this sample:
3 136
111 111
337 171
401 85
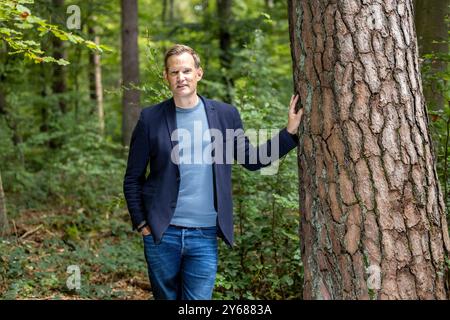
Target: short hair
179 49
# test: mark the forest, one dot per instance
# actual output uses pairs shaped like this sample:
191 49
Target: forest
359 210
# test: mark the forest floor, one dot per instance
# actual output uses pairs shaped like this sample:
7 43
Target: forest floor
41 258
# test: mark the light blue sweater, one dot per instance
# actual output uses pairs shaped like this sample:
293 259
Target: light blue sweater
195 204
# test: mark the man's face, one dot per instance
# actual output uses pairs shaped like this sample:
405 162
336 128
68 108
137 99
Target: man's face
182 75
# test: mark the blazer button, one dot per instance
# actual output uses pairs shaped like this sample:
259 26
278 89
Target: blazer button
178 179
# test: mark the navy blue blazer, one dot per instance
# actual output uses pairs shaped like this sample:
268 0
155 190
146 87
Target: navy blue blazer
153 197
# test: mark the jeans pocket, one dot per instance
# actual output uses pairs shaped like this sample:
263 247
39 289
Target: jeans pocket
148 238
208 233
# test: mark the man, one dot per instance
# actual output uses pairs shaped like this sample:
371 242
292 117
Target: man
182 206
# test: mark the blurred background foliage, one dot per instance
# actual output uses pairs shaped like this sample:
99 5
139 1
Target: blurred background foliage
63 178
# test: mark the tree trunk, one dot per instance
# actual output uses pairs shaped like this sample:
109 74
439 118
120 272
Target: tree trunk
373 219
59 77
130 68
11 122
91 71
76 82
208 23
432 34
224 17
44 126
164 10
171 11
99 89
4 225
269 4
95 81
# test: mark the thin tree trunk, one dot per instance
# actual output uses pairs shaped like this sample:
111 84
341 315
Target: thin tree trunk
59 77
224 14
432 34
11 122
99 89
91 71
373 221
164 12
59 81
130 68
90 22
207 25
3 110
47 111
76 82
171 11
4 225
44 127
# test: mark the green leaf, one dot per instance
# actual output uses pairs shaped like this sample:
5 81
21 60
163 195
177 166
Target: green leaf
60 34
9 31
74 38
105 48
24 25
62 62
22 8
91 45
34 19
31 43
288 280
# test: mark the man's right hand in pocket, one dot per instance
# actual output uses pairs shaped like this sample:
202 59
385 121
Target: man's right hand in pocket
146 231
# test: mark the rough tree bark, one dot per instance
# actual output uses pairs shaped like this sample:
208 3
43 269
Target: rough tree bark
373 220
130 68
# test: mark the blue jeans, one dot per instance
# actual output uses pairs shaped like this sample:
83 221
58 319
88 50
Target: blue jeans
184 264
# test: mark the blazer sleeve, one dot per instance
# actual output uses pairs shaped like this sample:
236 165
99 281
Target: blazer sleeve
263 155
138 158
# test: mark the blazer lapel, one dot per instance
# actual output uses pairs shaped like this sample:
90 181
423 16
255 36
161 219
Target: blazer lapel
211 113
171 121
